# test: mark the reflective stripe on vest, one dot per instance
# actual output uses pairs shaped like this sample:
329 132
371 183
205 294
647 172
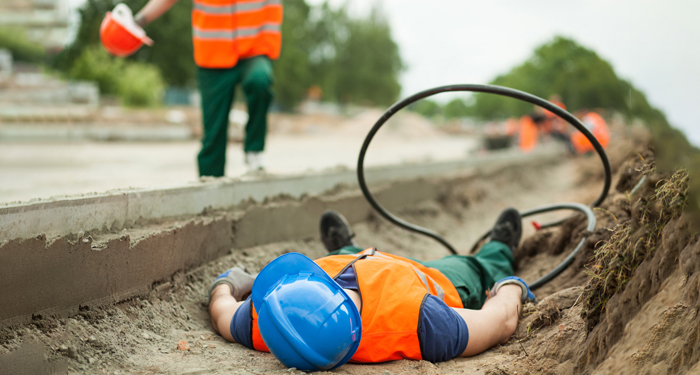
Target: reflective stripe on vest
430 285
392 289
224 31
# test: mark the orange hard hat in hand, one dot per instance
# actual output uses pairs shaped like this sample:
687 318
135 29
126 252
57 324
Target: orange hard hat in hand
120 35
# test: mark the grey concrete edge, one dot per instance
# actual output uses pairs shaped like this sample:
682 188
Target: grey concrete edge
58 217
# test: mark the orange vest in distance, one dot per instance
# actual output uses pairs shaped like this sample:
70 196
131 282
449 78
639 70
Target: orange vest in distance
599 129
224 31
527 139
392 290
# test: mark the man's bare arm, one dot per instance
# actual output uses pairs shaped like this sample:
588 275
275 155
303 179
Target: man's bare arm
153 10
495 323
222 308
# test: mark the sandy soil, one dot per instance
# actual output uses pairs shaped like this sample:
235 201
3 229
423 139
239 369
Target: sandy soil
141 335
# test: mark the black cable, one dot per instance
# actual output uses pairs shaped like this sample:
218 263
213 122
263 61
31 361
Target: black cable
498 90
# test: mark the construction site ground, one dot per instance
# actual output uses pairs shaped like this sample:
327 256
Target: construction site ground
47 160
166 328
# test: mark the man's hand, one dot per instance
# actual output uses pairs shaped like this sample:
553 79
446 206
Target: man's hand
241 282
527 295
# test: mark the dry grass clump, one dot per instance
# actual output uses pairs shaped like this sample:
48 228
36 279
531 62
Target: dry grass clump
632 242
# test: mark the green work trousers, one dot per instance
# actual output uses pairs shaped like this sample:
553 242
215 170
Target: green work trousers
217 87
471 275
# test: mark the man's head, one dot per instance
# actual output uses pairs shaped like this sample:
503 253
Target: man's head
305 318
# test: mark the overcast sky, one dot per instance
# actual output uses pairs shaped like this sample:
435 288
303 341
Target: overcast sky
654 44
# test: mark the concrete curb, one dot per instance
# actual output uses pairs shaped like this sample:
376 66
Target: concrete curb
70 215
45 271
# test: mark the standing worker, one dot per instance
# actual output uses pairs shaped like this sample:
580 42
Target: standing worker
370 307
234 43
598 127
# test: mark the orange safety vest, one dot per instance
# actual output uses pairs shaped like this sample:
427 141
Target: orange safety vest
527 139
599 129
224 31
392 289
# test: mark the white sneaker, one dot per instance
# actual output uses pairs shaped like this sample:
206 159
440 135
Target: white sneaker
254 161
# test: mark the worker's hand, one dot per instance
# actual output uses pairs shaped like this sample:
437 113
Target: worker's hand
241 282
527 295
122 14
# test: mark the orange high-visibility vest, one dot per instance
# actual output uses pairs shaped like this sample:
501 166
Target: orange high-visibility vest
392 289
224 31
599 129
527 139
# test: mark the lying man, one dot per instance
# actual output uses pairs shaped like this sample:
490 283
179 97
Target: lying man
366 306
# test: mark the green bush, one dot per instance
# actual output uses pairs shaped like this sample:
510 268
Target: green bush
135 84
95 64
140 85
15 40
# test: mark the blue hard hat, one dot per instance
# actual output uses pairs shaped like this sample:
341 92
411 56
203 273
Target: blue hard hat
305 318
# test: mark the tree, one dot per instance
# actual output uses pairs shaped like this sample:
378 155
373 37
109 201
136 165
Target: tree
16 41
368 63
352 60
171 52
579 75
426 107
292 74
456 108
584 80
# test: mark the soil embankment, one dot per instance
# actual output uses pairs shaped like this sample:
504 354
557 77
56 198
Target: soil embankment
641 318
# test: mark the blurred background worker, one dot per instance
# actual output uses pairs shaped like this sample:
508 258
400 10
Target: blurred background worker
597 125
234 42
527 137
555 125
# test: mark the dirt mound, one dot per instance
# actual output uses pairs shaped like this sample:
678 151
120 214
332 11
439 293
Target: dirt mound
637 312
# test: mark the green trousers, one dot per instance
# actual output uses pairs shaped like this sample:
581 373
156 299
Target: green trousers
217 87
471 275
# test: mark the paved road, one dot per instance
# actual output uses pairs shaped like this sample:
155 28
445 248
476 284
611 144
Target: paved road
42 170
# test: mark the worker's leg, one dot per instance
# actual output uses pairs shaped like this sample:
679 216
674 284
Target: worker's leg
257 78
217 89
474 275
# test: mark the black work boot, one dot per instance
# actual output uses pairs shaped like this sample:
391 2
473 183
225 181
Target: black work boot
335 231
508 228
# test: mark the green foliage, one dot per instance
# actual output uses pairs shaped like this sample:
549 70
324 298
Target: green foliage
94 64
15 40
292 73
171 52
456 108
351 60
426 107
136 84
140 85
368 63
579 75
